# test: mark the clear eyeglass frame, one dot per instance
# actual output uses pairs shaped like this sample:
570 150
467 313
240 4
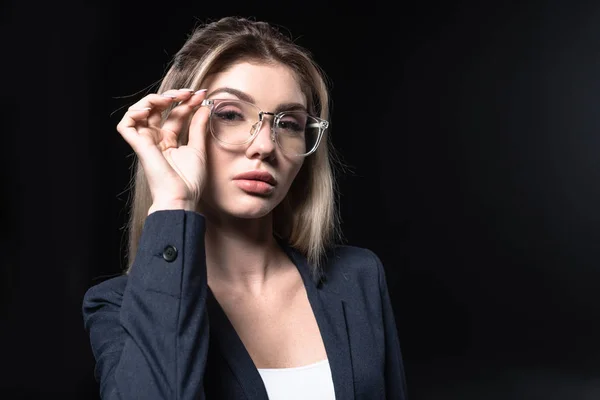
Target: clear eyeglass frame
322 124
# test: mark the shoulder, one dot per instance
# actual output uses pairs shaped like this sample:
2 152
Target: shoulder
350 267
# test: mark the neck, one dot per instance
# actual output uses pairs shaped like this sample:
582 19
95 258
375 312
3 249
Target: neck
241 254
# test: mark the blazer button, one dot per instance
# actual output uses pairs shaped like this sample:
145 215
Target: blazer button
169 253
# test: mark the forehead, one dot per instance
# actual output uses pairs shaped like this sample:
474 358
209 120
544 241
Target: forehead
269 84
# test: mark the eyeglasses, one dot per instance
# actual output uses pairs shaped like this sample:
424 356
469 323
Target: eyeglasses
236 122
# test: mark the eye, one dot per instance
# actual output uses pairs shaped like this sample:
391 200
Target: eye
229 115
292 124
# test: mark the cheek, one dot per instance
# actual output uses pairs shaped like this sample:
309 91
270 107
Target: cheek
292 172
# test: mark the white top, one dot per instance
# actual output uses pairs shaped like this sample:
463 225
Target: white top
311 381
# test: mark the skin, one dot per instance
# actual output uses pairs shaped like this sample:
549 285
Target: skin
256 284
239 223
198 176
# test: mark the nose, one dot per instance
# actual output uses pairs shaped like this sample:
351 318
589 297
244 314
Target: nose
263 144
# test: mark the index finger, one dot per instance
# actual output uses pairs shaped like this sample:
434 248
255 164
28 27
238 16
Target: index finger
159 103
180 115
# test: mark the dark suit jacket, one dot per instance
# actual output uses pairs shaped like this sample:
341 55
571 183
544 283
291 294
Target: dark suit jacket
151 337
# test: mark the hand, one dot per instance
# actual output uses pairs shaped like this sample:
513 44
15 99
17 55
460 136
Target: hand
175 173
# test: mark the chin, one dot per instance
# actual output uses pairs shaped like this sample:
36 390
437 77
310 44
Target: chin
249 215
251 208
243 207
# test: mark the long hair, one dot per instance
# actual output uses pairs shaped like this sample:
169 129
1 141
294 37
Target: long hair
307 218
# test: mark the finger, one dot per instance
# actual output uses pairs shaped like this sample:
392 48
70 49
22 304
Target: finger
153 161
198 129
159 103
133 119
156 119
155 101
180 115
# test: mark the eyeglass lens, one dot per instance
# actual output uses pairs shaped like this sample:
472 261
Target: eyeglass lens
234 122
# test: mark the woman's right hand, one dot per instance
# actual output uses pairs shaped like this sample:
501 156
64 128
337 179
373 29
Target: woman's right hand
175 173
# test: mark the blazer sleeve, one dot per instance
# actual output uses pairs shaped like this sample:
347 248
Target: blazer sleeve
149 333
395 380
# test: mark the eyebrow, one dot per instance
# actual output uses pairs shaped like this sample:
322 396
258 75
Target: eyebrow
246 97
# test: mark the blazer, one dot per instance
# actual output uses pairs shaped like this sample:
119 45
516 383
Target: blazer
159 333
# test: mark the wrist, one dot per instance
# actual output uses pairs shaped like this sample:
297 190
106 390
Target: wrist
171 205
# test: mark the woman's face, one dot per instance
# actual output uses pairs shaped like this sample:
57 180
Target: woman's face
270 87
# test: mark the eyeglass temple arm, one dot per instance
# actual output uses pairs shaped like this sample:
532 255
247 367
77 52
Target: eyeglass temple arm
322 125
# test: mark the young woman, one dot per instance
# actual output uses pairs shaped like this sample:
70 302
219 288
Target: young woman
236 286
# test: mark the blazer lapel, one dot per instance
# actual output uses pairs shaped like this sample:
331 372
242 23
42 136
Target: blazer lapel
234 351
329 312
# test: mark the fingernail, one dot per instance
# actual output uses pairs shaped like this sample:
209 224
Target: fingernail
187 89
201 91
169 96
141 109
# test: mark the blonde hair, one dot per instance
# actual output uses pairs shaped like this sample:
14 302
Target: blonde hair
307 218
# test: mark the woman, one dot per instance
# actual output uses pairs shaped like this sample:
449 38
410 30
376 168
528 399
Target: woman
236 288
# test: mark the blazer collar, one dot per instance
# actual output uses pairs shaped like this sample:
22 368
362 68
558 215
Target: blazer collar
330 312
234 352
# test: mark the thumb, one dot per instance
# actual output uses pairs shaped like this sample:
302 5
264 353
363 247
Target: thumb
198 130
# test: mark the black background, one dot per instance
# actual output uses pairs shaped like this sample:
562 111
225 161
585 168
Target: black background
472 134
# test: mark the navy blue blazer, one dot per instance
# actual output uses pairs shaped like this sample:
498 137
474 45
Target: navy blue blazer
159 333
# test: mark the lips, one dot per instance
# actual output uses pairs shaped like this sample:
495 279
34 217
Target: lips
260 183
262 176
